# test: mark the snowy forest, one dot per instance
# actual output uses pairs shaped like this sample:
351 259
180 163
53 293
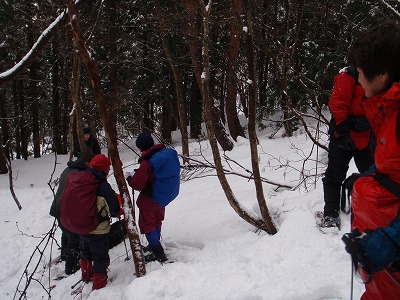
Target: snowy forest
119 67
150 61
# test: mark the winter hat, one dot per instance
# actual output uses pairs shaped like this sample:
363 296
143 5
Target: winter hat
86 130
86 155
144 141
100 162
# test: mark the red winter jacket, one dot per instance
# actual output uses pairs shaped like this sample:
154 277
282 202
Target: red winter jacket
382 111
372 205
151 214
345 102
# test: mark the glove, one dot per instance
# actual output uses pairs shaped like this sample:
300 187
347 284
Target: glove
353 241
373 250
129 178
359 124
345 142
342 135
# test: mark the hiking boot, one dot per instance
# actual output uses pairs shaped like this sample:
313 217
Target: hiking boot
99 281
146 249
153 257
331 222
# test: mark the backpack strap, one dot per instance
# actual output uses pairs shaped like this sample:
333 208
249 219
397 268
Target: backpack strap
388 183
100 217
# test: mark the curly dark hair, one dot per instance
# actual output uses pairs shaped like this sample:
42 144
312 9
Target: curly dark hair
377 51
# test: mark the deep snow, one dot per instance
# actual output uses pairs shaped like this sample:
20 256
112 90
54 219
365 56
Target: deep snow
216 254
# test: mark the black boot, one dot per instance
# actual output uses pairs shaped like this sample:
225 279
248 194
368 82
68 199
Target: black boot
157 253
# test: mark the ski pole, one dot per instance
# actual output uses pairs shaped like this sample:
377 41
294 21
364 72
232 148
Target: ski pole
351 281
126 248
72 287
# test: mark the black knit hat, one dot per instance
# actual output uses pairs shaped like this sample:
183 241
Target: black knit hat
144 141
86 130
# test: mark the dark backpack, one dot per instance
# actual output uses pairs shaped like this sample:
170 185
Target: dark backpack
79 202
166 171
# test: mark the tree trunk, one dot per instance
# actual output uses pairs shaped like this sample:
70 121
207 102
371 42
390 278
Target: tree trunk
252 122
180 96
195 110
34 95
75 87
4 133
231 79
22 121
168 120
57 143
17 121
3 161
111 137
210 128
195 48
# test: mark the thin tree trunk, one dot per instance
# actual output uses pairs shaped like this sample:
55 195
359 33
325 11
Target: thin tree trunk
196 54
195 110
22 121
231 79
180 96
34 97
210 128
17 121
75 87
111 137
57 143
252 123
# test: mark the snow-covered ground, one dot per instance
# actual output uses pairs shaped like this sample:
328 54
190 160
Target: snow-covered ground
215 254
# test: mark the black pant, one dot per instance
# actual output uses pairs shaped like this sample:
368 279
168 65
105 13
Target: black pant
70 250
335 174
94 247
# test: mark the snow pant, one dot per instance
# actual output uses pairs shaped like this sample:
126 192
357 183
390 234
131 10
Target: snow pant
335 174
374 206
94 247
151 214
70 247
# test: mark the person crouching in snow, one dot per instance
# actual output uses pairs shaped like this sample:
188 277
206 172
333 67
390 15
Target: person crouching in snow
151 214
95 245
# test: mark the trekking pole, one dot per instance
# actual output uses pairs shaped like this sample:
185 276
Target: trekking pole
351 282
73 286
126 248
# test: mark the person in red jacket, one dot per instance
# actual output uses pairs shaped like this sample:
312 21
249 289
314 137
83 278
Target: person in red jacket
374 243
151 214
349 138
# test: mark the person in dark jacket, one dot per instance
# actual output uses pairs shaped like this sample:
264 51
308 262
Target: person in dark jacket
91 143
95 245
69 240
349 138
151 214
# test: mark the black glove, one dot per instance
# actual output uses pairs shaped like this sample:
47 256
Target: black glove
359 124
342 135
345 142
353 246
129 178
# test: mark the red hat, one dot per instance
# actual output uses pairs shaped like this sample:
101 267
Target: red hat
100 162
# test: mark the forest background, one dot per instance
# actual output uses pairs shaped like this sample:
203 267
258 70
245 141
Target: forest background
119 67
150 62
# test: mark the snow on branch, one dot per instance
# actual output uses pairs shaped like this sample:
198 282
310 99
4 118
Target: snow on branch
36 49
